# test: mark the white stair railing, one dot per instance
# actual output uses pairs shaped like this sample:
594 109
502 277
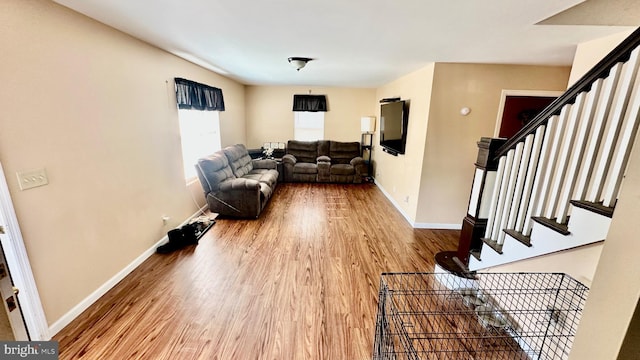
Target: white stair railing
585 122
554 152
614 123
579 154
523 213
543 159
623 148
605 102
516 203
574 152
511 185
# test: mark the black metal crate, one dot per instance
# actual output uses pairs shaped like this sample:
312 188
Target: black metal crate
492 316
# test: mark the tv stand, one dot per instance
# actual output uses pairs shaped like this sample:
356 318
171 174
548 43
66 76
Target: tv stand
366 145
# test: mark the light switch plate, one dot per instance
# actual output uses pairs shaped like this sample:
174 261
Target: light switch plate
33 178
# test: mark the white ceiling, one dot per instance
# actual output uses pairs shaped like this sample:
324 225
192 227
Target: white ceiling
356 43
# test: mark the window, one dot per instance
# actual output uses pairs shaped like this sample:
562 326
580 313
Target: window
308 126
199 135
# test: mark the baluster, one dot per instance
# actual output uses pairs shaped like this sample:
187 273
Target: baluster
513 175
491 219
584 126
516 205
623 150
621 99
559 177
595 138
554 151
503 195
538 137
536 193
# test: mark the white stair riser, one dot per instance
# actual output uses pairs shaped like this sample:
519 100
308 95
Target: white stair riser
586 227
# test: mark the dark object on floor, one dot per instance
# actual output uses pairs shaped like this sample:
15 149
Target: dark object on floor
187 235
179 238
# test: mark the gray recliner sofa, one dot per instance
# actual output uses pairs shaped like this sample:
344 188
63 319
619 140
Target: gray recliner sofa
323 161
236 185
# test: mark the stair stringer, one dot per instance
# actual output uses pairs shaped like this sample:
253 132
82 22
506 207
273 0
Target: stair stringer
585 227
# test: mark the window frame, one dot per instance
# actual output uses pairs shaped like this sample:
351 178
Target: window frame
308 125
203 138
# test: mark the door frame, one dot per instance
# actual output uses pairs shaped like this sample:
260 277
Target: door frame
16 254
531 93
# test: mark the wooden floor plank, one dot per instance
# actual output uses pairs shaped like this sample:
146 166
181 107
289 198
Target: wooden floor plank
300 282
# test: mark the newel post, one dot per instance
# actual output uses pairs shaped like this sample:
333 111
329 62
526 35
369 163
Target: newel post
474 223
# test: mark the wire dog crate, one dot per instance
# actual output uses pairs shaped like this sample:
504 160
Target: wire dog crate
492 316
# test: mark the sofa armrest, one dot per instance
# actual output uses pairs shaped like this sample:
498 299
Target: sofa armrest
289 159
324 168
357 161
239 184
360 166
264 164
241 198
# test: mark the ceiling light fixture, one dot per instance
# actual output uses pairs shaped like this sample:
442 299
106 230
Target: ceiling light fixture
298 62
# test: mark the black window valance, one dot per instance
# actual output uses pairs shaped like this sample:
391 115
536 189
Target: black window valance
311 103
193 95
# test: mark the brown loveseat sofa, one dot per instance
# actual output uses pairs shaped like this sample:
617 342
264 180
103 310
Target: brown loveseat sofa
234 184
323 161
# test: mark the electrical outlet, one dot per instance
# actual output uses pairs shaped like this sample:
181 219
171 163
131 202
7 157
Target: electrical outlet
406 199
165 219
31 179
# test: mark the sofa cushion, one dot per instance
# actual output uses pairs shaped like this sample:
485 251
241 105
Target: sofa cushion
264 164
304 151
342 169
239 159
343 152
348 179
266 176
213 170
305 168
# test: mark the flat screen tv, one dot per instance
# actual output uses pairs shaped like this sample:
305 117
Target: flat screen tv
394 118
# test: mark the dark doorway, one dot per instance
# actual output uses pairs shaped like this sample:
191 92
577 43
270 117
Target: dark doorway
519 110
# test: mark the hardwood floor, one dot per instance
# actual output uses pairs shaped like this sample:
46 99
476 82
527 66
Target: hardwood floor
301 282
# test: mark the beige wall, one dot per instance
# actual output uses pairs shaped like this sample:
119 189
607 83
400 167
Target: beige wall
399 176
96 108
270 115
431 182
589 53
451 149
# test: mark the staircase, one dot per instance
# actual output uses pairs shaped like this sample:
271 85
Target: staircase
554 185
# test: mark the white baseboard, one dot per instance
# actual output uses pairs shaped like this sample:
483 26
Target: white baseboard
94 296
393 201
437 226
416 225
